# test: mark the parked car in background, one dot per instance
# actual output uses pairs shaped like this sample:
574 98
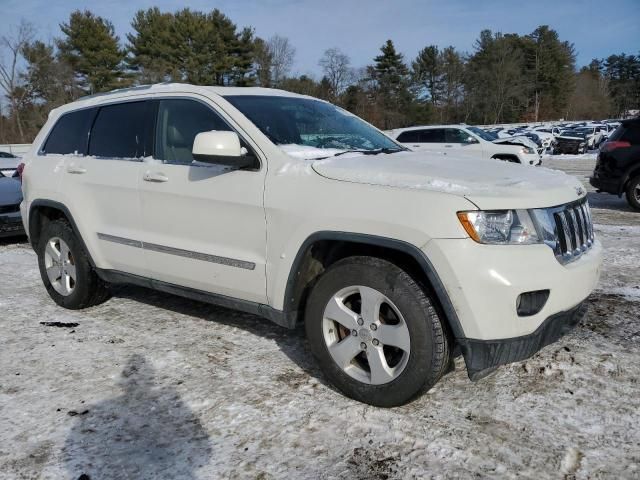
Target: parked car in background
10 196
518 140
296 210
554 131
464 140
617 168
593 135
571 142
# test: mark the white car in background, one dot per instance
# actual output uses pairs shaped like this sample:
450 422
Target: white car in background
594 135
546 137
464 140
550 130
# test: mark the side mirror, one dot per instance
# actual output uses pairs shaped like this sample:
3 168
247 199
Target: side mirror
469 140
221 148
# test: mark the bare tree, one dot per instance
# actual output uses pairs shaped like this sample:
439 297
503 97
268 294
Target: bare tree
337 69
282 55
10 74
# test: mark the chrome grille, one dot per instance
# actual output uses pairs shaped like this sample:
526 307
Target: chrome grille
573 230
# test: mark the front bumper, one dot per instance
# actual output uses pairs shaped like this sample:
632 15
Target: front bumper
484 282
483 356
534 159
11 225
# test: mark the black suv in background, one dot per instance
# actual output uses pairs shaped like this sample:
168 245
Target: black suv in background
618 167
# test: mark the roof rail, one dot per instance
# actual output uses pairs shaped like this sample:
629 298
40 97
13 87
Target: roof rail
122 90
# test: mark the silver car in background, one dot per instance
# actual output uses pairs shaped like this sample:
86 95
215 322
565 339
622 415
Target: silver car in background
10 196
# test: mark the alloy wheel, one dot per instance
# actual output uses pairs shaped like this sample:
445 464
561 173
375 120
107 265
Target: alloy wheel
60 266
366 335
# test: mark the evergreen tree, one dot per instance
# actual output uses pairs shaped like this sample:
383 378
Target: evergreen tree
50 81
550 66
623 74
427 73
191 46
92 49
391 79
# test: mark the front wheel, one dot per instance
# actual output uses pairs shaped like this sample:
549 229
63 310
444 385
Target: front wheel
633 192
65 268
375 332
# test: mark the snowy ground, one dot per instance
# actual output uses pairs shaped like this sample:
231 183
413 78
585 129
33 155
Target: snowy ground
154 386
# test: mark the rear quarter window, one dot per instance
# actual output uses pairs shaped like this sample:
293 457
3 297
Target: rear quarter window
70 133
411 136
627 133
632 134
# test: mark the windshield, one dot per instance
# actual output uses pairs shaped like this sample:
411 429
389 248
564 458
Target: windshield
310 123
482 134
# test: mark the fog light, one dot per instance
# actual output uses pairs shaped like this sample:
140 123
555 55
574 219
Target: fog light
530 303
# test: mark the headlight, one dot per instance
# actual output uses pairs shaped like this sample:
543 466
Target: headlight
500 227
528 150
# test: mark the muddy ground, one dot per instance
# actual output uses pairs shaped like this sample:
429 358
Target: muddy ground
153 386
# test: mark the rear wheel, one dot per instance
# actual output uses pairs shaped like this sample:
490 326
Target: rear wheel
633 192
375 332
65 269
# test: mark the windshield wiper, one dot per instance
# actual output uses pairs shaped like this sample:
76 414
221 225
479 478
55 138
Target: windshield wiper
364 152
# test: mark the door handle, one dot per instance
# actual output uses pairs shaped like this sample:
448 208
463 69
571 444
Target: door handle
448 146
76 169
156 177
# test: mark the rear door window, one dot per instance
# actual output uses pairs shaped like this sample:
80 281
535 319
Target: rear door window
70 133
119 131
433 135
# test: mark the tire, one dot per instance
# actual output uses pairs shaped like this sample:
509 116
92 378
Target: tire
84 288
633 192
406 310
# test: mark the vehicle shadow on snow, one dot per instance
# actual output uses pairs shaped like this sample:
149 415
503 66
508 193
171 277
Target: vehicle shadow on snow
21 239
146 432
290 342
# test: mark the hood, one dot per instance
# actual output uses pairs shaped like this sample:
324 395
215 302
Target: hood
8 166
519 140
10 191
568 136
490 184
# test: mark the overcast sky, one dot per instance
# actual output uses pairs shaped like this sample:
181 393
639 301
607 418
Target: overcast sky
597 28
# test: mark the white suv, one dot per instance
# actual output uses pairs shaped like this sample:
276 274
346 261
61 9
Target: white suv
463 140
296 210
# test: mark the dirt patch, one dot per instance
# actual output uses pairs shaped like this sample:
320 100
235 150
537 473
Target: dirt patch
60 324
371 464
293 379
614 317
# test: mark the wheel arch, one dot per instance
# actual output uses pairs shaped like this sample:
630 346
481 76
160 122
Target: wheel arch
507 157
322 249
43 211
631 173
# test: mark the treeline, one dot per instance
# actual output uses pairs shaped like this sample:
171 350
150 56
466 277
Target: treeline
507 78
